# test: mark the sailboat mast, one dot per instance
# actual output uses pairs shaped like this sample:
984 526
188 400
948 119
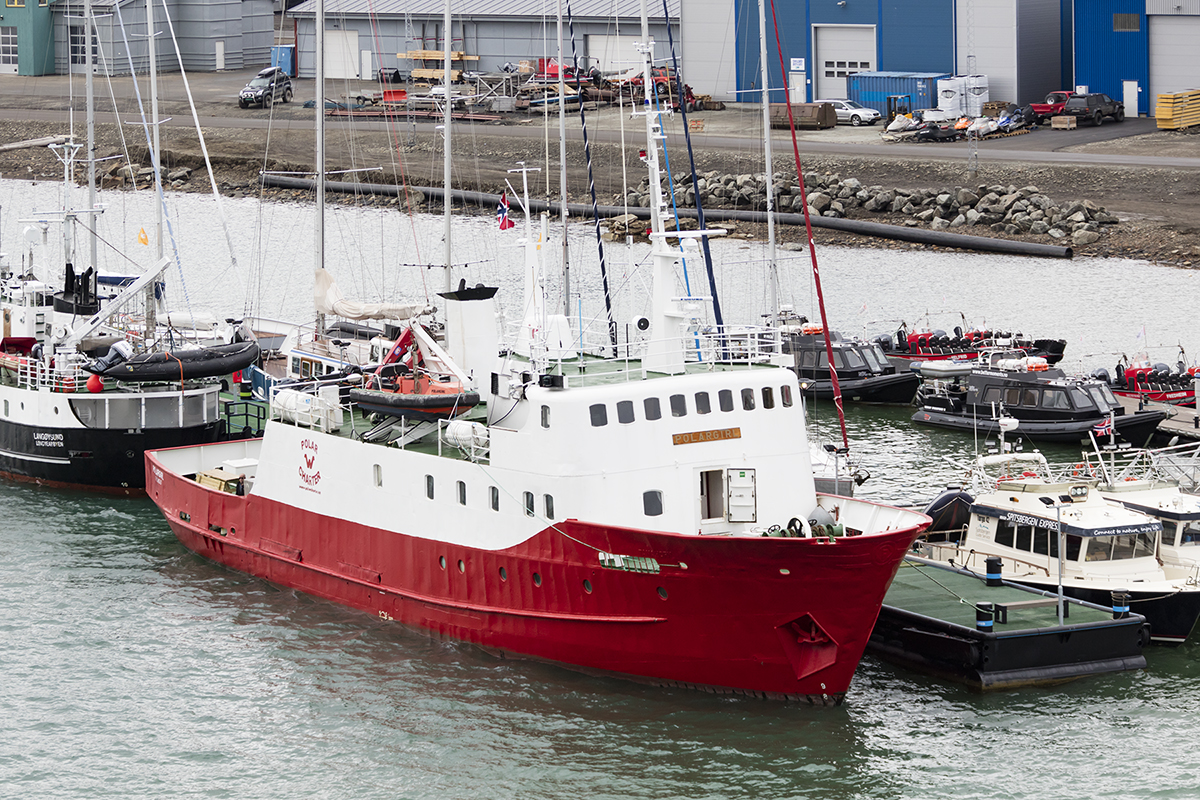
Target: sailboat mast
652 133
319 236
562 170
446 43
773 265
151 316
91 133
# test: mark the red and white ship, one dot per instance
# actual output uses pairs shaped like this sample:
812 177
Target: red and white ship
652 516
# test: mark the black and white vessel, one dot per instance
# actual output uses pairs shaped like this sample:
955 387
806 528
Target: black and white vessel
59 424
864 373
1045 403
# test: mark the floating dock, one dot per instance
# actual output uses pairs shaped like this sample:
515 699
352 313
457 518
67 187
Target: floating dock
951 623
1184 422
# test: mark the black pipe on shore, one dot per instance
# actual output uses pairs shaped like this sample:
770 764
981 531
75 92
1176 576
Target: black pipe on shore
876 229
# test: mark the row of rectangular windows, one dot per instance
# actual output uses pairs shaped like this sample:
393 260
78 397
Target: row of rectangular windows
702 403
1043 541
652 500
527 501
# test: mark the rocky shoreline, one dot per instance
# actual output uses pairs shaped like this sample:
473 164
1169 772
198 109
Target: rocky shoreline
1005 210
1103 211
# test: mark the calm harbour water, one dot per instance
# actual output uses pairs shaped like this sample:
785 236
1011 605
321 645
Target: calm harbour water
133 668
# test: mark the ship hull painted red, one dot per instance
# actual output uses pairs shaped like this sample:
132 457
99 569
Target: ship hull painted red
776 617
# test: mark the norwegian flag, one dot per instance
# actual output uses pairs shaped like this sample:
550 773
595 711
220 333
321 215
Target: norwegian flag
1104 427
502 214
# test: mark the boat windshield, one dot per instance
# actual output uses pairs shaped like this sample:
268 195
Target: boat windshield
854 359
1120 548
1103 396
875 358
1185 534
1080 399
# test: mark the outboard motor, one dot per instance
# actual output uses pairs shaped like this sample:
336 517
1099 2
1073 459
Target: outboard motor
884 341
950 510
1101 374
120 352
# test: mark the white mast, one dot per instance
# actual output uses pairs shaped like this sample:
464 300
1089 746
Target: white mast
446 42
562 171
91 135
772 266
155 159
319 236
664 351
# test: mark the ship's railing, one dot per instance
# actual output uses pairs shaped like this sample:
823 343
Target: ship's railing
63 374
141 409
1180 463
707 347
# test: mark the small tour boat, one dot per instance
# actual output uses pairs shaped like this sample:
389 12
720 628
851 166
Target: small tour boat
992 634
864 373
1018 511
1156 383
911 344
1042 401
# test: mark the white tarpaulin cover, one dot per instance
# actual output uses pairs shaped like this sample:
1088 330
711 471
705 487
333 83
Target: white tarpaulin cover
328 299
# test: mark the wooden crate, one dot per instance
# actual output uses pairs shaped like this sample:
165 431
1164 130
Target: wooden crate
1063 123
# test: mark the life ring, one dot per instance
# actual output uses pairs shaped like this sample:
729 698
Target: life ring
1130 479
1028 474
1079 469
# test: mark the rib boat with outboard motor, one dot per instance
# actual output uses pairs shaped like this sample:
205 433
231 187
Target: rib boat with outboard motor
1046 404
651 516
934 344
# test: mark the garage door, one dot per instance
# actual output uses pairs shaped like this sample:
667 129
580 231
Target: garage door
1173 63
341 55
841 50
613 53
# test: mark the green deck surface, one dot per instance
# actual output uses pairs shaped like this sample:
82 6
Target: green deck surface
933 592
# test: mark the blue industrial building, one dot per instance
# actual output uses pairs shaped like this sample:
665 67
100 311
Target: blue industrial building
1135 50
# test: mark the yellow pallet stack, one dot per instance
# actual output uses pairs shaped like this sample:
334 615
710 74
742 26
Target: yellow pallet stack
1179 110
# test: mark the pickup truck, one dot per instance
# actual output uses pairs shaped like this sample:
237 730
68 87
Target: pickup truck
1052 107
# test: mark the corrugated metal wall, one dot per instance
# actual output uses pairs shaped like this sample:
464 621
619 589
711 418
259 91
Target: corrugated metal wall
987 29
916 36
1039 63
495 40
1104 57
709 61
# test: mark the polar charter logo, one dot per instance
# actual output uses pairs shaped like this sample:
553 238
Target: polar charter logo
310 474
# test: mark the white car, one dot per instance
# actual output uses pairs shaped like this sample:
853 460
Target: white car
852 112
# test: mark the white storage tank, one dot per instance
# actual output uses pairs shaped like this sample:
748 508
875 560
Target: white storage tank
951 95
976 92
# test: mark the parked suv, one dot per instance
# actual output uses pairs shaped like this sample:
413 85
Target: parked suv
852 112
1094 107
268 86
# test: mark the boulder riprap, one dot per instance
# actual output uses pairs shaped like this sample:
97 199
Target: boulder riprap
1007 210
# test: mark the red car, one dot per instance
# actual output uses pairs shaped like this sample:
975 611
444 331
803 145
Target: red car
1052 107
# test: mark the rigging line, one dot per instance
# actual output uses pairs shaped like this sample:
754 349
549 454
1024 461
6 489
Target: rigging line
203 144
394 139
156 163
837 389
687 134
587 151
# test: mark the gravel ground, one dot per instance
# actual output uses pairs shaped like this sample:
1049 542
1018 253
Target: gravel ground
1159 208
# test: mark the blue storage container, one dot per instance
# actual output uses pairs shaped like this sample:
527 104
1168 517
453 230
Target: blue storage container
872 89
284 56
